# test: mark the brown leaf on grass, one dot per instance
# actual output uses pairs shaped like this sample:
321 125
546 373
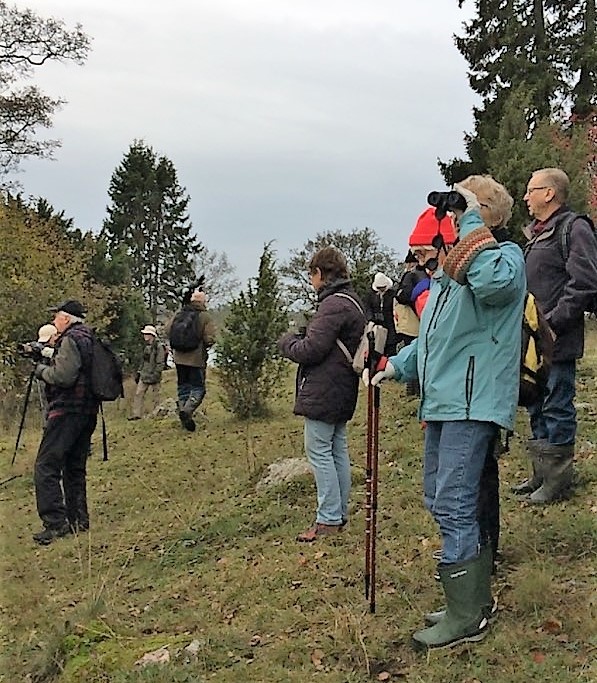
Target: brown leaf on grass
317 658
552 626
319 555
303 560
538 656
255 640
384 676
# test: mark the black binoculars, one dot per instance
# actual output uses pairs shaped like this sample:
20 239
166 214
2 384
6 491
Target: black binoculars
446 201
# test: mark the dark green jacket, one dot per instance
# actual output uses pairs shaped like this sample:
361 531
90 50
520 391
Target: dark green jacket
154 359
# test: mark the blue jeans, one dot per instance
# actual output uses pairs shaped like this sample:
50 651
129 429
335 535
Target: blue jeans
554 417
191 382
327 452
454 458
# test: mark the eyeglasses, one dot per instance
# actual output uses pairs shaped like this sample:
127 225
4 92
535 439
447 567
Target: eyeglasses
530 190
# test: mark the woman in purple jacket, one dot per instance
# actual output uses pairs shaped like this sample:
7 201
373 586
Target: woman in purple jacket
327 386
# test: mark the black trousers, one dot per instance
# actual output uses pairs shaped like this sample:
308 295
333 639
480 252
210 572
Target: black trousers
488 509
61 470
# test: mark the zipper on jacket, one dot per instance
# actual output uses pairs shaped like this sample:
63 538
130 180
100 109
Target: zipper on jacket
469 382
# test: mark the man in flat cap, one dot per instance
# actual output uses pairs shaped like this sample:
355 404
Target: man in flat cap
72 414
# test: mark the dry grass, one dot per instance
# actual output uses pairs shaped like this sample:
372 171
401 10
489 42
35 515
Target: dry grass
184 548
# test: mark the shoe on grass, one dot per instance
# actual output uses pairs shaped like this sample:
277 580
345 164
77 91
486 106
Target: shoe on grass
186 421
49 534
318 530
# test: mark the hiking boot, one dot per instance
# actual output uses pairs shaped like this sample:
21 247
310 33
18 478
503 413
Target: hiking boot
49 534
558 474
317 531
464 584
186 421
530 485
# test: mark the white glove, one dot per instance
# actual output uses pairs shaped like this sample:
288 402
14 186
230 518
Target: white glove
387 373
471 198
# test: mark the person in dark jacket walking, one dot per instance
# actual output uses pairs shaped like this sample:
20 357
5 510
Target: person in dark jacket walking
191 366
327 386
150 374
379 308
66 441
563 289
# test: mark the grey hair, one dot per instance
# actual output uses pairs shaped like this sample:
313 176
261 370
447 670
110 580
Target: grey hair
493 196
72 318
558 180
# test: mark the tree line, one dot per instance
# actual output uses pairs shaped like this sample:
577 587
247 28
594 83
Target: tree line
533 64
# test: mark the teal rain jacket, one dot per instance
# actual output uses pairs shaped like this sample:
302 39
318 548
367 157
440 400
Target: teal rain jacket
467 355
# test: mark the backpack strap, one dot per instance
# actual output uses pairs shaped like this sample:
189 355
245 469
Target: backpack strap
347 296
341 344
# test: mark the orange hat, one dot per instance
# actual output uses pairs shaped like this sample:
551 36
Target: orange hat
427 228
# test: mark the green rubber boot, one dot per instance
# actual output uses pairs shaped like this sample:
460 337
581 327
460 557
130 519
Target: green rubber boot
534 448
489 603
558 474
464 583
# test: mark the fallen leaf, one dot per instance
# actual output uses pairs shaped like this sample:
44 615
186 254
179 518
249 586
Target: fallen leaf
552 625
538 657
384 676
319 555
302 560
255 640
317 658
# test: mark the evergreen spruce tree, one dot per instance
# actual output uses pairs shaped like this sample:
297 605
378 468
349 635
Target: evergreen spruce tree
247 353
148 217
545 47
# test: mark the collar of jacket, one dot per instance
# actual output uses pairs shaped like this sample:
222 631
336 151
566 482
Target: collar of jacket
332 287
197 306
550 225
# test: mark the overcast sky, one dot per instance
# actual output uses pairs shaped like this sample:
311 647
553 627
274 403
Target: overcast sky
284 118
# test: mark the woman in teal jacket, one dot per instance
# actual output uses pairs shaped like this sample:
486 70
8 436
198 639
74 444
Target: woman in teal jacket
467 360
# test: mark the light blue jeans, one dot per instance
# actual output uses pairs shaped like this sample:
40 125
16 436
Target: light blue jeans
554 416
454 458
326 447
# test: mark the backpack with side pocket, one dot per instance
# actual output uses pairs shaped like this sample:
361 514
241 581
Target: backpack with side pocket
536 353
380 335
183 331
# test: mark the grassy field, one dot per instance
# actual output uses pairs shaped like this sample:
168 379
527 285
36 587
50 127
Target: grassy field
184 548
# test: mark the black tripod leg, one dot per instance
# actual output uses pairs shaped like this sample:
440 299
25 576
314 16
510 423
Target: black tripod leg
23 415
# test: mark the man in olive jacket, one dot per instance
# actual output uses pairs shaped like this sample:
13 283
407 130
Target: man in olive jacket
191 365
72 414
563 288
150 374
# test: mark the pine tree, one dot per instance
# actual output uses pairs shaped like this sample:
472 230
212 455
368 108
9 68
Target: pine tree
546 47
148 217
247 353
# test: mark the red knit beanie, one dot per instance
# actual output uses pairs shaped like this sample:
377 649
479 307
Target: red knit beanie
427 228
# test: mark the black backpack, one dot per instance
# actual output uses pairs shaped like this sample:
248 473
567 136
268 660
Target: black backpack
105 377
106 372
183 331
564 228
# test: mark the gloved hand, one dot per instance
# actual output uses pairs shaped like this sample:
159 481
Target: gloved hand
383 370
470 197
39 369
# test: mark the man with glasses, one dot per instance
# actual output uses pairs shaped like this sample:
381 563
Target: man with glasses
562 275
